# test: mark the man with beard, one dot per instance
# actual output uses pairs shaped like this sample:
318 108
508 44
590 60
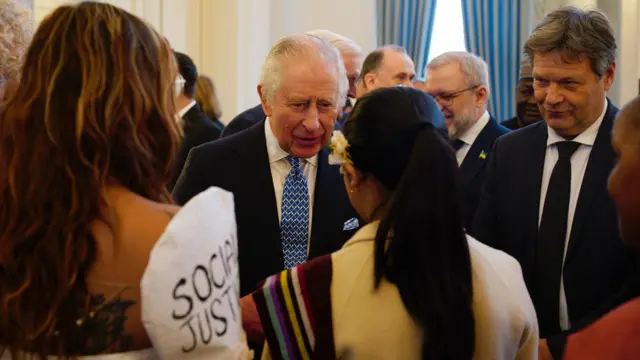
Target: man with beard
459 82
526 107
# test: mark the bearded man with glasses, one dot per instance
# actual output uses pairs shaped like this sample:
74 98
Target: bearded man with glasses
459 83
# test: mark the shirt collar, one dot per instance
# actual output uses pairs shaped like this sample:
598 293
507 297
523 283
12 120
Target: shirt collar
274 150
587 137
470 135
186 108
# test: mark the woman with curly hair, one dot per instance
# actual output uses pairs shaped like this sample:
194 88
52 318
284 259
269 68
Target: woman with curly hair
16 30
86 147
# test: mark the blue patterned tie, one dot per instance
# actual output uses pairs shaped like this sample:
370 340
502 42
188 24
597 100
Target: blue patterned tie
294 225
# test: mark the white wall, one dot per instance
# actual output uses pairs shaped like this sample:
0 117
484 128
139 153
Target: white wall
228 39
355 19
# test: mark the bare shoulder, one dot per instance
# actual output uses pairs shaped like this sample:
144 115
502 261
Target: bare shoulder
137 224
169 210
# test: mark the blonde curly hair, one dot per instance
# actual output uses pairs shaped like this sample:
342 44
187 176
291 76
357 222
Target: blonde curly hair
16 31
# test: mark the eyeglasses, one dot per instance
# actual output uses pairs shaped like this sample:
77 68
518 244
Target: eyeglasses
446 99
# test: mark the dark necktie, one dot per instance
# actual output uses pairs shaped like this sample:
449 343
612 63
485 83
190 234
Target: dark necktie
551 241
456 144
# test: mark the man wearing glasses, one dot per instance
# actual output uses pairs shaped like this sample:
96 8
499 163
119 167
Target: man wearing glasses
459 83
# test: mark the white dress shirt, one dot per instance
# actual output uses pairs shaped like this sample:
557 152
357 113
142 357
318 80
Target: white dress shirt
280 168
185 109
579 161
470 136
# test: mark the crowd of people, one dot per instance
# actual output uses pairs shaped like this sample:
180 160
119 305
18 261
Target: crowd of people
377 216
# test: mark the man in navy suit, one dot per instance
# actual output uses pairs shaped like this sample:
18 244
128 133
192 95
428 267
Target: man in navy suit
545 199
351 55
459 82
278 169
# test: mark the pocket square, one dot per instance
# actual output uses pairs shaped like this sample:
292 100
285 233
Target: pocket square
351 224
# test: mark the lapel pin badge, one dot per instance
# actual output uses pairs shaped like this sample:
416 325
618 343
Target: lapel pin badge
483 155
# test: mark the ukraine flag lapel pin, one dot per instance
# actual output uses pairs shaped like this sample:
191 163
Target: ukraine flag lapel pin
483 155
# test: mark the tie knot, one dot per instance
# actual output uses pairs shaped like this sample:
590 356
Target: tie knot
566 149
456 144
294 162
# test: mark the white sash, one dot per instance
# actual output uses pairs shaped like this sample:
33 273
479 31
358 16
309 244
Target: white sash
190 289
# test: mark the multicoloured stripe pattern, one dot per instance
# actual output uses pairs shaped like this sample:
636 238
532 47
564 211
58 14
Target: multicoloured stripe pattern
296 317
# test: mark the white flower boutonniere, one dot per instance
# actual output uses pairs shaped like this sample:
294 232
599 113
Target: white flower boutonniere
339 149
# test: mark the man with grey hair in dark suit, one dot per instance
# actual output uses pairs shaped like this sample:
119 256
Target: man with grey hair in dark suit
291 205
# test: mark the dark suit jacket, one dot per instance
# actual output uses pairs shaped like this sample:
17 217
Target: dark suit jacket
473 167
198 129
597 264
244 120
250 117
511 124
240 164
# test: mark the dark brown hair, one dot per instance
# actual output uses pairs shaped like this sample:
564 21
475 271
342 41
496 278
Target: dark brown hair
420 248
94 107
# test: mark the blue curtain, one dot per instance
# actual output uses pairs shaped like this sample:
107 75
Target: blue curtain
492 31
407 23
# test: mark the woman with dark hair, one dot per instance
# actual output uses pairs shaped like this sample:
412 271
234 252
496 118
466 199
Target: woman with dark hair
87 142
410 284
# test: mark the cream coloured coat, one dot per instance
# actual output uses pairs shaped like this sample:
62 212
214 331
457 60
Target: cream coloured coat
372 325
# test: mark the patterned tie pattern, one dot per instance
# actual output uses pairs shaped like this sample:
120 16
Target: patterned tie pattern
294 225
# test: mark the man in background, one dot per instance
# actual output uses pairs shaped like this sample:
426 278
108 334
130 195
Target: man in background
198 128
351 55
526 107
386 66
459 83
545 199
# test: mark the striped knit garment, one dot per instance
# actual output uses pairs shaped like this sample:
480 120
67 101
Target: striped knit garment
295 311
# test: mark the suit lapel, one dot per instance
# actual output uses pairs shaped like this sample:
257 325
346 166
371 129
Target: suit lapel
260 197
477 156
532 175
328 203
191 117
601 161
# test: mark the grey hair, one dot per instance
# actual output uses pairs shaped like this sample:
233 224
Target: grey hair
345 46
474 68
575 32
303 47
